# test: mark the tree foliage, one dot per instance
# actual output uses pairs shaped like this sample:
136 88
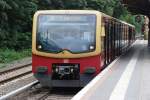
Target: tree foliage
16 16
15 23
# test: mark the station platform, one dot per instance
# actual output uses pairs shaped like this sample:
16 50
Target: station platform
126 78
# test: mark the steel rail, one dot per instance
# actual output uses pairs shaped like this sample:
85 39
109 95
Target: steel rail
14 68
15 77
15 92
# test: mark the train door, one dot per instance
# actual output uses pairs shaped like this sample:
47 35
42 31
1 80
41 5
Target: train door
116 41
129 35
106 42
111 42
121 38
116 38
128 43
124 38
119 33
113 39
114 35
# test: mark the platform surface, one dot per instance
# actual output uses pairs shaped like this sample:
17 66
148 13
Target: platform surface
128 78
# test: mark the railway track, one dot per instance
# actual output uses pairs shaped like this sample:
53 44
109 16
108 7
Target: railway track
60 94
27 91
40 93
34 91
14 73
56 94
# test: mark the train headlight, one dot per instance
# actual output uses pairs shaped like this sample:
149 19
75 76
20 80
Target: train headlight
91 47
56 70
71 70
39 47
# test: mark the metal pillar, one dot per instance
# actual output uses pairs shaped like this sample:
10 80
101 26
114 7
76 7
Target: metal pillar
149 32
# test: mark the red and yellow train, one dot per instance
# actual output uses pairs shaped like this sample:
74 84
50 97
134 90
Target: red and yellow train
70 47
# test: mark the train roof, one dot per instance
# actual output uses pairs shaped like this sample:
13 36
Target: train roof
117 19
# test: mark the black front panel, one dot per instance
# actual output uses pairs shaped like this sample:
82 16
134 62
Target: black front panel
65 71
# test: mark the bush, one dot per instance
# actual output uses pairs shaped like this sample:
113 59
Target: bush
8 55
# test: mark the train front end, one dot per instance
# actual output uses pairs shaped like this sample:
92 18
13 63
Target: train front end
66 47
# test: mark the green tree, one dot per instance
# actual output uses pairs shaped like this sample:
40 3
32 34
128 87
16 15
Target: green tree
16 16
16 19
